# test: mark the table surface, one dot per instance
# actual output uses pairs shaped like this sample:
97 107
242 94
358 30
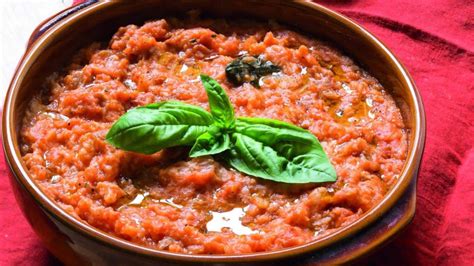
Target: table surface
19 18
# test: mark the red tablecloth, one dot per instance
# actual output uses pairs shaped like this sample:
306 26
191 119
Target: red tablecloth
435 41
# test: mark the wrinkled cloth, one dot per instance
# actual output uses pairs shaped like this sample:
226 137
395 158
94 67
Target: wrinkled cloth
434 39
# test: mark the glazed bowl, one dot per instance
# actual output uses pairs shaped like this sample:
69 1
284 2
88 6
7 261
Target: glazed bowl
55 41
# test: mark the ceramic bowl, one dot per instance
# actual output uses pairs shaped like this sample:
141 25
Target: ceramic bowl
55 41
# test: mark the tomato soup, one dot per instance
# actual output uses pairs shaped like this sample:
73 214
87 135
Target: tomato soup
169 201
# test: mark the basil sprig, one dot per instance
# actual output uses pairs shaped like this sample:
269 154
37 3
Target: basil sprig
260 147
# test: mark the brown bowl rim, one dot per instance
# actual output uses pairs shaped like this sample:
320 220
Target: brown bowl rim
13 157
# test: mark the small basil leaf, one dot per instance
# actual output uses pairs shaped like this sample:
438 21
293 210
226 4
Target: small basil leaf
250 69
208 144
151 128
279 151
219 103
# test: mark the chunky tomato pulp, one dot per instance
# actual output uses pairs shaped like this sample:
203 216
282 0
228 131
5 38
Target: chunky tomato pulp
171 202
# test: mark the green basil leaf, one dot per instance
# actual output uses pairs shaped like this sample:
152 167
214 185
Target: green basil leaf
153 127
279 151
273 131
208 144
219 103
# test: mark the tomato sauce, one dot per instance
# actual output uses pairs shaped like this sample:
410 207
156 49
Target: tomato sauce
169 201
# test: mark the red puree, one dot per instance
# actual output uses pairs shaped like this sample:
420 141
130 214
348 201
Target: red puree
168 201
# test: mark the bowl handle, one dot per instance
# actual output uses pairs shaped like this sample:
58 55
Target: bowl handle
51 21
